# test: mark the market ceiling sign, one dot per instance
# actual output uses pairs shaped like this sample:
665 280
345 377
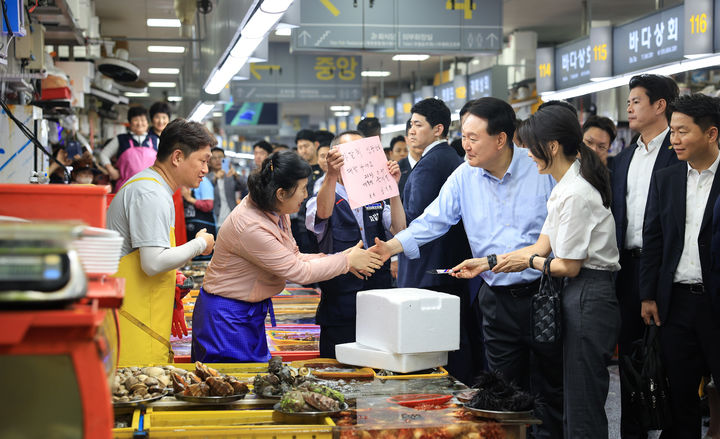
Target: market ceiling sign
489 82
572 61
287 78
468 26
650 41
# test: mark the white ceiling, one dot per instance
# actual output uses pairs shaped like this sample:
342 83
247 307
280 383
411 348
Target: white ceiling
555 21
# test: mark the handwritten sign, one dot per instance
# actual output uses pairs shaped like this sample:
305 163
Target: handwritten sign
365 174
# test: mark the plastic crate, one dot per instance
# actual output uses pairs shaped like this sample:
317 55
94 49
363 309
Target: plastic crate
55 202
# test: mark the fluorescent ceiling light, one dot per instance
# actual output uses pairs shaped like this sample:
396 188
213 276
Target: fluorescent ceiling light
239 155
261 22
342 113
283 31
174 98
623 80
375 73
393 128
245 47
166 49
410 57
163 71
217 114
222 76
161 84
200 111
163 22
131 94
340 108
275 6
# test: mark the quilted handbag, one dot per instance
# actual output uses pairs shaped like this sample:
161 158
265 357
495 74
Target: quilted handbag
546 308
644 376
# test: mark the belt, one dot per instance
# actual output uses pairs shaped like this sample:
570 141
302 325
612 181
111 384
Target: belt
517 290
633 252
698 289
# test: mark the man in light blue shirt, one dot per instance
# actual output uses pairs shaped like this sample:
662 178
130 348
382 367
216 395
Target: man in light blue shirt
501 199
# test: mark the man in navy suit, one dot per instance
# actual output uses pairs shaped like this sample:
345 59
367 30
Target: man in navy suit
648 113
429 125
675 267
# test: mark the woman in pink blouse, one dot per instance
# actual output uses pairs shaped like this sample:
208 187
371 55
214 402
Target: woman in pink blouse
255 254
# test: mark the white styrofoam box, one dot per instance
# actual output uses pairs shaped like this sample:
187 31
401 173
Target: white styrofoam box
359 355
408 320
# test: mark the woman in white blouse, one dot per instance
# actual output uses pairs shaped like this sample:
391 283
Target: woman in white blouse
580 232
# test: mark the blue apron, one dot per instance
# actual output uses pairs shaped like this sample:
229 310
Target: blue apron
228 330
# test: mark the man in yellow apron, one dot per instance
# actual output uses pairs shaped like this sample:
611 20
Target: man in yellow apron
143 213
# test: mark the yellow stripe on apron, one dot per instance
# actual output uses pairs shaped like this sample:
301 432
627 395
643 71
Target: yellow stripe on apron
146 313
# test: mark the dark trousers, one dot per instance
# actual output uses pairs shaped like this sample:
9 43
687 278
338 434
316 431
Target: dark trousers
631 329
462 364
690 344
591 323
334 335
510 348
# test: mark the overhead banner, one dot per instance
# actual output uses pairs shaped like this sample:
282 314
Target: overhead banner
601 43
408 25
545 69
698 35
287 78
650 41
490 82
572 63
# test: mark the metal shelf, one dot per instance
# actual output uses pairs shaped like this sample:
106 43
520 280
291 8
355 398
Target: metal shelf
60 25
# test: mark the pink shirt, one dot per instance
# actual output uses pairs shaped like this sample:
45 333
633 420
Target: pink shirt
254 257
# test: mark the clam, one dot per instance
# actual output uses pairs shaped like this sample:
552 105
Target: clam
153 371
131 382
150 381
138 386
165 380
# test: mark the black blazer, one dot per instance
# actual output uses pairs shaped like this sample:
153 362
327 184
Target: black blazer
664 235
618 177
404 174
423 186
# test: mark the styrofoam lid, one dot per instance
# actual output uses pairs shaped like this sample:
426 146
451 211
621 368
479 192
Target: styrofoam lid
400 295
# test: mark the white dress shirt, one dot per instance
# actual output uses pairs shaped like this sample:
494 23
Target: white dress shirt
689 270
412 161
578 225
431 146
638 187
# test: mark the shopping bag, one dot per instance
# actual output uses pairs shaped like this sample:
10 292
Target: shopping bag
546 308
645 378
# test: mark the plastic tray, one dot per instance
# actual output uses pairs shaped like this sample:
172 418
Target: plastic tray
358 372
439 373
224 424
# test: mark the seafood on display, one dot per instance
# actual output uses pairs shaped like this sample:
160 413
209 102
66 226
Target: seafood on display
206 381
138 383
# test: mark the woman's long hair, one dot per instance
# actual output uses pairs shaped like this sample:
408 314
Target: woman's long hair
555 123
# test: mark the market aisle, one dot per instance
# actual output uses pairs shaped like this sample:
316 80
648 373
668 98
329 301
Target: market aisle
612 407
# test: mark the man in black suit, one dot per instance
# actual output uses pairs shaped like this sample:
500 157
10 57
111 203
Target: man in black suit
648 113
429 126
675 267
408 163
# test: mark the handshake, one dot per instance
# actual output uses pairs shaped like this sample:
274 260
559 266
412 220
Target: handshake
363 263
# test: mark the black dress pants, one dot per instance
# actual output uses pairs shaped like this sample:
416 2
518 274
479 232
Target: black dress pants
690 344
510 348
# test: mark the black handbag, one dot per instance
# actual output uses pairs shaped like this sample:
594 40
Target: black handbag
546 308
648 387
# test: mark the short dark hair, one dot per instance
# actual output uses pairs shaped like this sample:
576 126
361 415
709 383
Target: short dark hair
135 111
499 114
602 123
457 146
435 111
160 107
324 137
657 87
407 125
564 104
395 140
217 148
280 170
466 107
264 144
184 135
704 110
336 139
305 135
370 126
558 123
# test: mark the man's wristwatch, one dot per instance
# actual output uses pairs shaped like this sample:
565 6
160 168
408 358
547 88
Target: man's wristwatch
530 263
492 261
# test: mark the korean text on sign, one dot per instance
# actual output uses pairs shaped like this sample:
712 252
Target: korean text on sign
365 174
